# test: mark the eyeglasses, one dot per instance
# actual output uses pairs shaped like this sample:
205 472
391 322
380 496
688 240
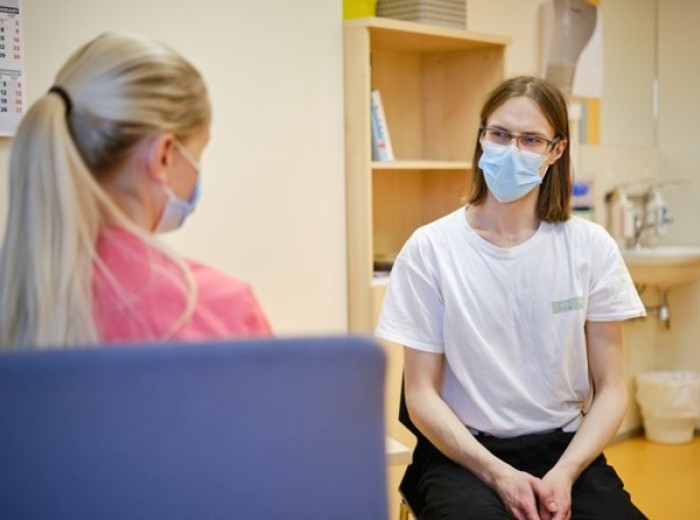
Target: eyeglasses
529 142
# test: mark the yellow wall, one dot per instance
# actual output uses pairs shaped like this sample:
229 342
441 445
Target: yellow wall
272 208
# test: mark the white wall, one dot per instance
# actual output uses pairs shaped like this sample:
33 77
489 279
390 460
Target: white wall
517 19
272 210
678 138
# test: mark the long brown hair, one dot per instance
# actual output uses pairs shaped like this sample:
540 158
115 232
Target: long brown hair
553 203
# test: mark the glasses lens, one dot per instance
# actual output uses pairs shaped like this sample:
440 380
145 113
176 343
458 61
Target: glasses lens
496 136
532 143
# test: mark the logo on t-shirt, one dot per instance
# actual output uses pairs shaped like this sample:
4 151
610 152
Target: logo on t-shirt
571 304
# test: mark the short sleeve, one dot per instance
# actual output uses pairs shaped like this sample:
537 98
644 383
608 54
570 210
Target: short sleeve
226 307
613 295
412 311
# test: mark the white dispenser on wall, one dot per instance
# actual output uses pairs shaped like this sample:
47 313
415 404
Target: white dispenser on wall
621 213
657 212
627 215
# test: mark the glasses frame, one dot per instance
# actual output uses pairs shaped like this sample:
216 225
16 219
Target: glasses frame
517 137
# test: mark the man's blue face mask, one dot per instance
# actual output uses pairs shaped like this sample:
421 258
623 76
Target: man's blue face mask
510 173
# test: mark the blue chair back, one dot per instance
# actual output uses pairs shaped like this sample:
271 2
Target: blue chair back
260 429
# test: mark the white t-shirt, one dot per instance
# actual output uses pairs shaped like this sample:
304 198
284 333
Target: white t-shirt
509 321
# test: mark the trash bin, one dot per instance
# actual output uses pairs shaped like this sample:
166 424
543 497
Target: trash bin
670 404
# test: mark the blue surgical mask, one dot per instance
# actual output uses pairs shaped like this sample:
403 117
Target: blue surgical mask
510 173
177 210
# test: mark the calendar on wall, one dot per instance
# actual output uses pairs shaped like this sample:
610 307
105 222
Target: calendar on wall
12 89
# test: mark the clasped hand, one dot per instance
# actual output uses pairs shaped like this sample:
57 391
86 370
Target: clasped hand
529 498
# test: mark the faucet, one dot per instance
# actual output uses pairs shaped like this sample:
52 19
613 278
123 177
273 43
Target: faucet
652 214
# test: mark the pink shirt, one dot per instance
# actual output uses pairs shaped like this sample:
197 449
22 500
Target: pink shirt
151 295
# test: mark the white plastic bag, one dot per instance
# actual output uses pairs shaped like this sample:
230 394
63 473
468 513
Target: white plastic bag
670 394
670 404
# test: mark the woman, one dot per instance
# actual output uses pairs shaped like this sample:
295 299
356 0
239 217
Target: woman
510 311
105 160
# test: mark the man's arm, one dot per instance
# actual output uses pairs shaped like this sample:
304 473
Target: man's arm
599 425
436 420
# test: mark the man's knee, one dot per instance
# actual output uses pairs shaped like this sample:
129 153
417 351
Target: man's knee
599 493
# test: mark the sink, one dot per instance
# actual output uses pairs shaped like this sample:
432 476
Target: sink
663 266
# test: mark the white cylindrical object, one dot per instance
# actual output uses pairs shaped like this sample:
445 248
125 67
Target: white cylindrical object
615 216
627 215
660 213
670 405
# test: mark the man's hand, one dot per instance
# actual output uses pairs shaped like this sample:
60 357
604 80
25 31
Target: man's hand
554 496
518 491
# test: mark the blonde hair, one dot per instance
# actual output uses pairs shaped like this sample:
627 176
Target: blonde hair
121 90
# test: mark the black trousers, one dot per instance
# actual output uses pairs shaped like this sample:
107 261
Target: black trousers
451 492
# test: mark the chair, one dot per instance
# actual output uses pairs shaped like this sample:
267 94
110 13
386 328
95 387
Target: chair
412 502
260 429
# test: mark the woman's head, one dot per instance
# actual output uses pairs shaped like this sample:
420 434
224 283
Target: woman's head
117 96
124 89
538 108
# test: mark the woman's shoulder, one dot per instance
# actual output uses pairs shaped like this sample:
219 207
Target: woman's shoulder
226 303
143 282
211 281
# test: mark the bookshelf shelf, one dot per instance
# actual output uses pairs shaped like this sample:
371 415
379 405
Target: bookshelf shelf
379 283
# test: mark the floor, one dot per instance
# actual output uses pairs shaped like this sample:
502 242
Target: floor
663 479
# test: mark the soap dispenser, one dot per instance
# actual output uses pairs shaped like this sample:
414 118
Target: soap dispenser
620 216
626 216
614 215
657 212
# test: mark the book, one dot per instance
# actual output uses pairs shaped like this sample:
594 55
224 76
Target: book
381 141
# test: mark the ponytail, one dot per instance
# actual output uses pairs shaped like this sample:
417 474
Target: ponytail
53 219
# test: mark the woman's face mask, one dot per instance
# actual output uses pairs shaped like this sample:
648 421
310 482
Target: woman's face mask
510 173
177 210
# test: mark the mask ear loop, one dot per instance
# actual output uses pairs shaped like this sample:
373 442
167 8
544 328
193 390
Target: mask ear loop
188 156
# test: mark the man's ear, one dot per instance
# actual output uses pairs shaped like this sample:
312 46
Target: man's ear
159 157
558 150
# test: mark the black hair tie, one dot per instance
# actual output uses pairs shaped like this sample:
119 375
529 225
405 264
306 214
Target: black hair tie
64 96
